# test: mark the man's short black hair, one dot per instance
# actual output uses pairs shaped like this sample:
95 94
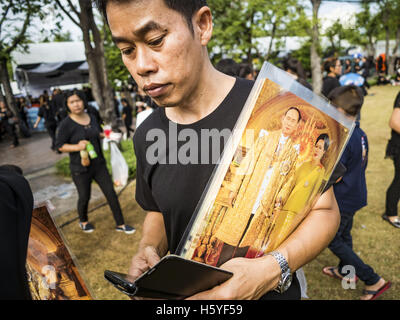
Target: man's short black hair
187 8
294 108
349 98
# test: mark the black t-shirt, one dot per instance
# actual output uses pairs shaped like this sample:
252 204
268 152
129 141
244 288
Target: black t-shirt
16 205
395 135
328 84
48 115
393 147
71 132
175 189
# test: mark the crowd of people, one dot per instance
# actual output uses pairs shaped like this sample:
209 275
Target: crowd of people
51 110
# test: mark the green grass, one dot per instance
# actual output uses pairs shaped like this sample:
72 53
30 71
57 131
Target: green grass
126 147
375 241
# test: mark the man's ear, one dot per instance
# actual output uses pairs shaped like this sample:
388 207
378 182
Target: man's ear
202 25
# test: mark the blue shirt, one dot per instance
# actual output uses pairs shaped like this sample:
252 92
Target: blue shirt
351 191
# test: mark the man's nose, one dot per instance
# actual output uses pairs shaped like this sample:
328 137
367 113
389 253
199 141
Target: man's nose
145 63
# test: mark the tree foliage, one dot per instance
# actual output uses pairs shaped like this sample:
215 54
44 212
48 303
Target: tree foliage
238 23
15 18
117 72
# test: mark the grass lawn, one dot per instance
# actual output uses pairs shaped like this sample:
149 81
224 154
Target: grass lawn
375 241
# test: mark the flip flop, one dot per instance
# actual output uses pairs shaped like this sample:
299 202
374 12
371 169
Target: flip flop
330 271
377 293
395 224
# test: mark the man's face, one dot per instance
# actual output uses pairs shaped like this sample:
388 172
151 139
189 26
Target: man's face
158 49
290 122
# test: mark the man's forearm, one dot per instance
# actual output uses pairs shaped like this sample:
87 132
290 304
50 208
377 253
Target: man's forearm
314 233
154 233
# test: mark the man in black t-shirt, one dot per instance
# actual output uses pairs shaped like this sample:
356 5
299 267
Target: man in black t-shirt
333 69
16 205
164 46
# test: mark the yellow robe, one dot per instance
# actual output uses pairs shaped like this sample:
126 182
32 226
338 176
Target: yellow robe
305 185
247 181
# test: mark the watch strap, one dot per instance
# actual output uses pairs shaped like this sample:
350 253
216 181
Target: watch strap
285 269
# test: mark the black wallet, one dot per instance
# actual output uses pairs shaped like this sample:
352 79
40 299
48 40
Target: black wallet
173 277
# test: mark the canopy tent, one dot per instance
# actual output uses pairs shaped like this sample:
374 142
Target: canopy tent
46 65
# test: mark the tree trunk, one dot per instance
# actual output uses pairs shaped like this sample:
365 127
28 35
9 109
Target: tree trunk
392 57
396 45
5 81
94 51
273 32
315 59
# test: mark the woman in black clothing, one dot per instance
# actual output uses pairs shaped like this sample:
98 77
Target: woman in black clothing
333 68
79 135
127 116
7 121
393 152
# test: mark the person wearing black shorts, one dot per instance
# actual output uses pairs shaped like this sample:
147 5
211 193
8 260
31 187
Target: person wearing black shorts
74 134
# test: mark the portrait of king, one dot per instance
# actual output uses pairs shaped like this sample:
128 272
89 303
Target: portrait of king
271 181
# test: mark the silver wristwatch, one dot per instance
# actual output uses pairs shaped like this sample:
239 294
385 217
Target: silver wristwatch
286 276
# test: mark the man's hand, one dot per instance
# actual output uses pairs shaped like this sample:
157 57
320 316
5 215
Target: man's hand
145 259
251 279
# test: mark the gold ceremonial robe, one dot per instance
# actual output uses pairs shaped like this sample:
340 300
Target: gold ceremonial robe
246 183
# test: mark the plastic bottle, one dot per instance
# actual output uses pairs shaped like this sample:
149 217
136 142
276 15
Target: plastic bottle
91 151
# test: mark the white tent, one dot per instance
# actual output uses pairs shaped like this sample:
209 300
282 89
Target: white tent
47 65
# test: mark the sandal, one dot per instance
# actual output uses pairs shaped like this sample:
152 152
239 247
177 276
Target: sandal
377 293
395 224
330 271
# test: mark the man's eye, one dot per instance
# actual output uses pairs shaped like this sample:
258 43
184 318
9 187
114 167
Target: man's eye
156 42
127 52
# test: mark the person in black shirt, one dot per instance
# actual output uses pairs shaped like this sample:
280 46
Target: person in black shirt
164 47
57 105
393 152
16 205
333 69
7 121
127 116
50 122
21 105
78 130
